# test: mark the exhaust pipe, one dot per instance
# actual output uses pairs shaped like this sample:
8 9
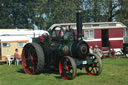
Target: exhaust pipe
79 24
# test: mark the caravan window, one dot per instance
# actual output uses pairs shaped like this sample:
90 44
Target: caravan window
21 44
6 44
89 34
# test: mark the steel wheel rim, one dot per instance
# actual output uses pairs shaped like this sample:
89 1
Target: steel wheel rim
65 69
29 59
93 69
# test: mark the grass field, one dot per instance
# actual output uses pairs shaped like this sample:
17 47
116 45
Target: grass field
115 72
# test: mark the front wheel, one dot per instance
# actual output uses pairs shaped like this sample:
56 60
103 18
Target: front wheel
67 68
95 68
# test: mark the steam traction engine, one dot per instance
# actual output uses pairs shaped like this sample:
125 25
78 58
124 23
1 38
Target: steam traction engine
61 50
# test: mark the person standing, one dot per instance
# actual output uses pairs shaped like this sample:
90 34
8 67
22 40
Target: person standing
91 49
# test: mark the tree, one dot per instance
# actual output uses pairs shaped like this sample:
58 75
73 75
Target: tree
44 13
123 16
101 10
5 21
16 13
55 11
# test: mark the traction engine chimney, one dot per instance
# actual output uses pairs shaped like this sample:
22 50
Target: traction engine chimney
79 24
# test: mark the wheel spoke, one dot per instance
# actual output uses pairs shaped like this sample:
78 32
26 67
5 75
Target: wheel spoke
30 57
67 68
96 67
29 61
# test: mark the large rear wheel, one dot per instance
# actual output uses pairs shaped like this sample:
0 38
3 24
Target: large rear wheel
67 68
96 67
33 59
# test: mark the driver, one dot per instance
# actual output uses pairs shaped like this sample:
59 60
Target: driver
54 34
69 34
62 31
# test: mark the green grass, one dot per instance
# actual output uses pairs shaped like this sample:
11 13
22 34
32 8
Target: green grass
115 72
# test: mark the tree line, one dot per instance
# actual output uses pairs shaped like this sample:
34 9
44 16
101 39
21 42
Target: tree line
44 13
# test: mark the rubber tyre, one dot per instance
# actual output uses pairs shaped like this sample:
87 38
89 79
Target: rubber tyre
33 59
95 68
65 69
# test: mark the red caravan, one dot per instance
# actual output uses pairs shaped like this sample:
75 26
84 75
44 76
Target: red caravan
105 34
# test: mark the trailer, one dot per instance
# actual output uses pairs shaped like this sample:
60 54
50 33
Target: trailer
12 39
107 35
